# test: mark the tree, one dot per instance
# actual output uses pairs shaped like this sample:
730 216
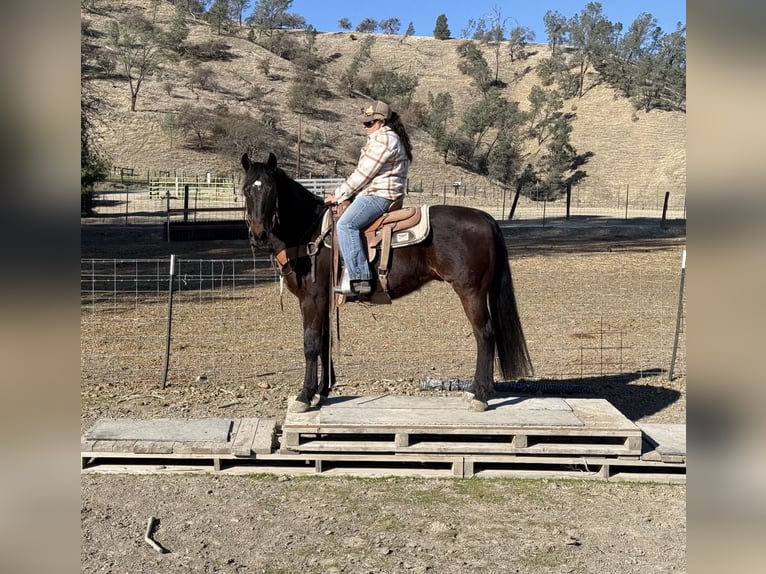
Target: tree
302 93
368 25
473 64
175 37
195 122
392 87
410 31
620 70
496 35
662 73
555 70
344 24
170 125
556 29
517 42
94 165
271 15
441 30
137 46
544 106
478 119
237 8
390 26
558 158
218 14
591 35
504 160
364 53
440 110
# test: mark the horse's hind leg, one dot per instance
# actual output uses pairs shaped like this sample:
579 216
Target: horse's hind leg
481 389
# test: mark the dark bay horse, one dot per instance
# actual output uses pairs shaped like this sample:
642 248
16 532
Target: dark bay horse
465 248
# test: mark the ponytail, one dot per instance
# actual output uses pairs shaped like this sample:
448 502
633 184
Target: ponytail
395 123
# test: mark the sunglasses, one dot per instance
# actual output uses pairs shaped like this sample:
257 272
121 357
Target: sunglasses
369 124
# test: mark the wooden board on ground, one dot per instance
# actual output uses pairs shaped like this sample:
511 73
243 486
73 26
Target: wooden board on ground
188 439
664 442
214 430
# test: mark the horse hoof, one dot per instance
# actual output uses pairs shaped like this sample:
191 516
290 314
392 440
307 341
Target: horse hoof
316 400
299 407
477 405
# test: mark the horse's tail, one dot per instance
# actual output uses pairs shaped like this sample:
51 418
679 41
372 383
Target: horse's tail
512 353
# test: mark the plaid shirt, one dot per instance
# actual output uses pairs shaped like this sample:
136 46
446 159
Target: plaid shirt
382 168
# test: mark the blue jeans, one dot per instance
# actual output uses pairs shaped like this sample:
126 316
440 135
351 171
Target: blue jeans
363 210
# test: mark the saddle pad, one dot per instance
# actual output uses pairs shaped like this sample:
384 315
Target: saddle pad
400 238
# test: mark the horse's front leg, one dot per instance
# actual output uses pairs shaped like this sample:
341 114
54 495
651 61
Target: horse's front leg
327 379
312 339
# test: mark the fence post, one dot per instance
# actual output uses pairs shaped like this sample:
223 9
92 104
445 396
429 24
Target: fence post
186 203
679 312
170 317
664 209
515 201
167 212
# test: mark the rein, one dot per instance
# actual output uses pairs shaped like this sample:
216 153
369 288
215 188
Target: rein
283 257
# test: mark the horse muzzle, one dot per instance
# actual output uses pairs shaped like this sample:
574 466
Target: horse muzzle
256 232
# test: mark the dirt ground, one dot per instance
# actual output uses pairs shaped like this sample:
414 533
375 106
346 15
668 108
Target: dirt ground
330 524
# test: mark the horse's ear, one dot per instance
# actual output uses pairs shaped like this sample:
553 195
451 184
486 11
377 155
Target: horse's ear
272 162
246 161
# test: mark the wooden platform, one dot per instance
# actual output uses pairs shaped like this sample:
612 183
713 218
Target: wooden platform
511 425
402 436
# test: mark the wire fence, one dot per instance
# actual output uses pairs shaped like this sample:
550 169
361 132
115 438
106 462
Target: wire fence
203 199
584 316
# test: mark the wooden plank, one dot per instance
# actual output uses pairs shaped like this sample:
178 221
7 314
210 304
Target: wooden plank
667 442
242 443
103 445
601 414
87 445
193 430
263 441
421 412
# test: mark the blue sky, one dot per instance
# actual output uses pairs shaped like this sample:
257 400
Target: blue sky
324 14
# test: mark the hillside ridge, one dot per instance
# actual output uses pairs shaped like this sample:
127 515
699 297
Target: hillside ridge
645 151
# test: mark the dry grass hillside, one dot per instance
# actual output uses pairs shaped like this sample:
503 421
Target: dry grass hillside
646 151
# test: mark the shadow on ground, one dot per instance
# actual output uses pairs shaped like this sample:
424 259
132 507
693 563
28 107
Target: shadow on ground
635 401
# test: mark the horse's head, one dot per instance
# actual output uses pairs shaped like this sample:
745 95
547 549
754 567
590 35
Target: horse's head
260 191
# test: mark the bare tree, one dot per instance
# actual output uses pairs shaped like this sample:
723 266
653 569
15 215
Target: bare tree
136 45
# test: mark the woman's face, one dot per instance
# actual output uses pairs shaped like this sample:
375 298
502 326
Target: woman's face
372 126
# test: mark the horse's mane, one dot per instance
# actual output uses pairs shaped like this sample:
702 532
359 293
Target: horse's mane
295 186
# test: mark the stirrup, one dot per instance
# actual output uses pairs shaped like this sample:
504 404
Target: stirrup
361 287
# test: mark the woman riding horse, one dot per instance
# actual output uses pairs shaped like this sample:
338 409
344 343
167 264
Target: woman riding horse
380 178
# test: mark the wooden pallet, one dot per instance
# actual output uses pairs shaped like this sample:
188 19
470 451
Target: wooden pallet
511 425
190 440
437 443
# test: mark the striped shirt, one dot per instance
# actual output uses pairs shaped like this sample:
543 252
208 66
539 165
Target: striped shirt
382 168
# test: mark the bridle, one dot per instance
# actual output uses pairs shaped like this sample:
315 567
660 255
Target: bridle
283 257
